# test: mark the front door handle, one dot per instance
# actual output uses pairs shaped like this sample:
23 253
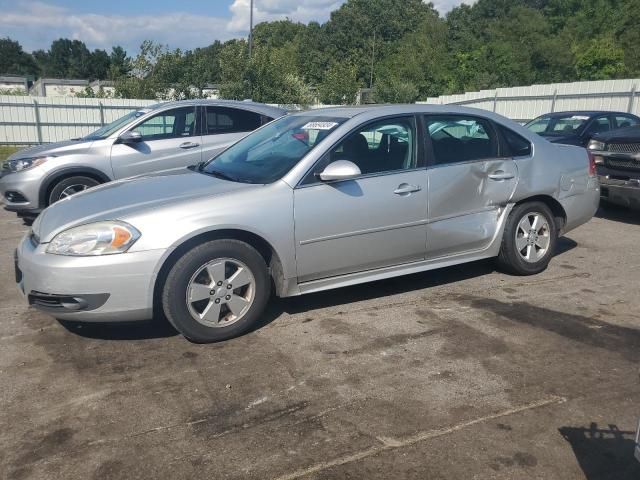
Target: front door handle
501 175
406 189
188 145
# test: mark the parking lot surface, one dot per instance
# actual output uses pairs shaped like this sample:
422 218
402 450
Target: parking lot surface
458 373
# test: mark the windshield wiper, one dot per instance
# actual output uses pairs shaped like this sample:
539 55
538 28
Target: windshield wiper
222 175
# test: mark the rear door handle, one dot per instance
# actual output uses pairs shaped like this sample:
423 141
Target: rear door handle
406 189
188 145
501 175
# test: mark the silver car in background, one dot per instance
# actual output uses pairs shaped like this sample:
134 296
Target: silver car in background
313 201
159 137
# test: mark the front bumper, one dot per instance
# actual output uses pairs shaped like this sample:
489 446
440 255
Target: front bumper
107 288
20 191
620 191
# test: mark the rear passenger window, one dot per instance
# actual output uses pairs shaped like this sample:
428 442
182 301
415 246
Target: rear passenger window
517 146
622 121
599 125
231 120
459 138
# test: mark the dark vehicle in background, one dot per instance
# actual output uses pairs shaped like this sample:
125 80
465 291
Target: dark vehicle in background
617 158
578 127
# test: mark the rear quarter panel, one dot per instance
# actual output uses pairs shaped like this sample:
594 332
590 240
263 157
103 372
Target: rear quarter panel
561 172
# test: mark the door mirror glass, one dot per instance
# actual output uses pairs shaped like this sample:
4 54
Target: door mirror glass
340 170
130 137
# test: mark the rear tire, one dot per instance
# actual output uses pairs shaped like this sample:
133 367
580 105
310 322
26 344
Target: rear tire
529 239
69 186
216 291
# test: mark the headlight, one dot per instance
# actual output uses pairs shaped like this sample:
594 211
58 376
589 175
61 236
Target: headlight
100 238
20 164
597 145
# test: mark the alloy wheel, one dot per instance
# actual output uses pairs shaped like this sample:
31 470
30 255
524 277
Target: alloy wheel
533 237
221 292
71 190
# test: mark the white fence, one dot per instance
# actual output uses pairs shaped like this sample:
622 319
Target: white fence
31 120
525 103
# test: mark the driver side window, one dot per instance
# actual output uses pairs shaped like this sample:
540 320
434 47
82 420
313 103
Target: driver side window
175 123
385 146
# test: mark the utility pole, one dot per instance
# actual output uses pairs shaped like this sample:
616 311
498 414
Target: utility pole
250 29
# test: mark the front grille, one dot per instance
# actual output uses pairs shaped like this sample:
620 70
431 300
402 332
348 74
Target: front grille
623 163
624 147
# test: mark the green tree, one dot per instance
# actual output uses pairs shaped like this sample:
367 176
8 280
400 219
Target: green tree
394 90
234 70
340 84
119 63
13 60
599 59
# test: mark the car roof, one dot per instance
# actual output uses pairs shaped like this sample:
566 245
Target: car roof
261 108
590 113
382 110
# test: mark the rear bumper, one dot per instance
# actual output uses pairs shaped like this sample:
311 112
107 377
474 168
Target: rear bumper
581 208
108 288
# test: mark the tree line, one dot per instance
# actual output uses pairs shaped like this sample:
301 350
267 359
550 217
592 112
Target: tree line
403 49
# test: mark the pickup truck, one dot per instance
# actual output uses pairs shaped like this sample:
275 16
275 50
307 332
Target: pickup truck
617 158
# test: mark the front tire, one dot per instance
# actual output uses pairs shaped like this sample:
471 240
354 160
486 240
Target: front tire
216 291
529 239
70 186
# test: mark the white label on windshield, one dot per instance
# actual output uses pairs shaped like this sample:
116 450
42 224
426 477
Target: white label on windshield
319 126
579 117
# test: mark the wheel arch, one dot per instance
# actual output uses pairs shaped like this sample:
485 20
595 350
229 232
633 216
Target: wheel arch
264 248
57 176
559 213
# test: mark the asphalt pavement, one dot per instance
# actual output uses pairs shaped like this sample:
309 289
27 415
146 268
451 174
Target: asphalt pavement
459 373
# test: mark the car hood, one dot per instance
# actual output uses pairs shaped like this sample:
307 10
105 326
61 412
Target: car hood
119 199
622 135
57 148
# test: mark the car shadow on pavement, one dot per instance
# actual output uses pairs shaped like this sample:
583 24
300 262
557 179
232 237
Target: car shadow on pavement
619 214
157 328
603 453
160 327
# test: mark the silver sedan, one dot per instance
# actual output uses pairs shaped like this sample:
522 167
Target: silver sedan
312 201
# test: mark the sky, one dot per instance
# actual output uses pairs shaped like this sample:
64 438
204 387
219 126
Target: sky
182 24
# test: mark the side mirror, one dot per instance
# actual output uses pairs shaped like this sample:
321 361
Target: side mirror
130 137
340 170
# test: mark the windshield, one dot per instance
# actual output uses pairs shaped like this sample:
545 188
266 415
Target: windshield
558 125
270 152
112 127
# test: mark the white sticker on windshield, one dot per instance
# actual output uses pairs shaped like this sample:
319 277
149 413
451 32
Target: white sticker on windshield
319 126
579 117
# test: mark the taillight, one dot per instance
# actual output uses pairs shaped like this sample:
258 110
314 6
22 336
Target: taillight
592 164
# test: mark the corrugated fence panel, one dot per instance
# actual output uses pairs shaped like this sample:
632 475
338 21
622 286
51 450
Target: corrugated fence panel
525 103
30 120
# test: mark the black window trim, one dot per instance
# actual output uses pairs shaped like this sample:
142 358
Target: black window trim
593 120
505 149
430 157
419 153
